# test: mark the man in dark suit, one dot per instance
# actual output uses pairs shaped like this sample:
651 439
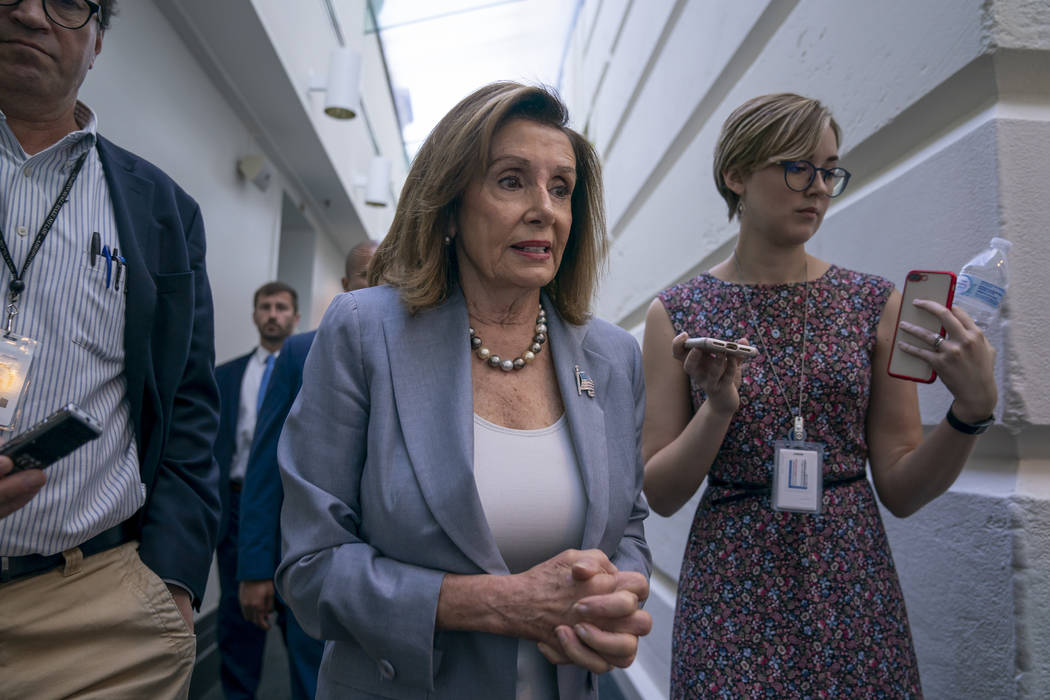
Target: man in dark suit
242 384
102 558
260 536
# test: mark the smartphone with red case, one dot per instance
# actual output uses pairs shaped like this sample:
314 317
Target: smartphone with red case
934 285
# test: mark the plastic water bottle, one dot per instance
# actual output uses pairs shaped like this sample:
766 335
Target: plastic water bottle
981 285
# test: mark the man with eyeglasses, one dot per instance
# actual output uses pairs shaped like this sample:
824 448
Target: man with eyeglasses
107 303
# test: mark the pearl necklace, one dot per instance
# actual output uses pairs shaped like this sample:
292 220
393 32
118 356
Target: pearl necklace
521 360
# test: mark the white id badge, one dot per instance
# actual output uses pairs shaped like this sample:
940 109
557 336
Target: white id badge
16 355
798 482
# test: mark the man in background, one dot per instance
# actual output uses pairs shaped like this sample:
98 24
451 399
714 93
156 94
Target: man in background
103 261
242 384
260 541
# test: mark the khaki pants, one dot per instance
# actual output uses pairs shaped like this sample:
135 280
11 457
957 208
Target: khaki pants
101 627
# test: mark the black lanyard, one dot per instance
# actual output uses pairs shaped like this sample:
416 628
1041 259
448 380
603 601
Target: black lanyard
17 285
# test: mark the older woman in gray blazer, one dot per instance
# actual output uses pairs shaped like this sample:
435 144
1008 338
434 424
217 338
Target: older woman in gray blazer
462 475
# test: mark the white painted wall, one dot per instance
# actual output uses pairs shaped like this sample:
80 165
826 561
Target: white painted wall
329 268
158 92
945 108
298 251
302 34
152 98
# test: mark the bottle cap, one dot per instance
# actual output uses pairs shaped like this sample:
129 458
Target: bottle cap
1002 244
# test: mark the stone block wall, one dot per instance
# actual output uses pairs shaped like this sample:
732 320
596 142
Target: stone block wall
945 108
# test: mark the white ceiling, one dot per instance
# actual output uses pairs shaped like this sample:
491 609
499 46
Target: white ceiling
442 50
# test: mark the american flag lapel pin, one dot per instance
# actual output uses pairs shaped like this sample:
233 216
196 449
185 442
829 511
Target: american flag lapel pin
583 383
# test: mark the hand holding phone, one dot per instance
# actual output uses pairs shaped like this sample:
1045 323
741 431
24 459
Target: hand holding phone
935 286
52 439
17 489
724 346
714 368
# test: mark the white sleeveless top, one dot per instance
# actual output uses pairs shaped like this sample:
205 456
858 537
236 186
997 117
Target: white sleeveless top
535 504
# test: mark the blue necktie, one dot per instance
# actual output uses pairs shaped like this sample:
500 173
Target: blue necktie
265 380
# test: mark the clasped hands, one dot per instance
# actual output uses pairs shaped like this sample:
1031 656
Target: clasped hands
582 610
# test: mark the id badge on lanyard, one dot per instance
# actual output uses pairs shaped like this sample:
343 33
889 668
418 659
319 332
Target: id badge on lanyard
16 356
798 474
16 352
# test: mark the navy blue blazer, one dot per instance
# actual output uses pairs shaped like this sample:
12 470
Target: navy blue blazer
228 376
169 359
259 535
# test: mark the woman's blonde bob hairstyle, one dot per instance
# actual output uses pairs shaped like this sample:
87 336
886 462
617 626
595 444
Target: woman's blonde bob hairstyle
767 129
414 258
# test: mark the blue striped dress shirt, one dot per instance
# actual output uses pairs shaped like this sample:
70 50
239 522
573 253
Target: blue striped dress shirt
79 325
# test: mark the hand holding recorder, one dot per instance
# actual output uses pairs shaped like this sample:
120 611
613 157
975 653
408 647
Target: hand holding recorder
17 489
24 456
52 439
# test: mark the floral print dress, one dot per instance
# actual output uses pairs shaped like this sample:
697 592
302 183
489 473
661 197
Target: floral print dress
779 604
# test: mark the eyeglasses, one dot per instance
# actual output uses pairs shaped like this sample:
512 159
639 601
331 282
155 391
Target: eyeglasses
69 14
800 174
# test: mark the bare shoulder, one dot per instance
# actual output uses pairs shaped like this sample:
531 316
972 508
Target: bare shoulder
817 267
657 313
659 331
724 270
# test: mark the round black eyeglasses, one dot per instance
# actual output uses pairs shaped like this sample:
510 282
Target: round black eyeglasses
800 174
68 14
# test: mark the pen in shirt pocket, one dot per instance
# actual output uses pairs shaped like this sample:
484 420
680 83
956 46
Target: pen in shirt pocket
121 264
95 247
109 263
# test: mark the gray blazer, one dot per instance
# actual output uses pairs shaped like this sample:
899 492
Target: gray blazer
380 500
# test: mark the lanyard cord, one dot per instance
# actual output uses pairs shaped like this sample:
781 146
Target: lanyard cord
799 431
17 285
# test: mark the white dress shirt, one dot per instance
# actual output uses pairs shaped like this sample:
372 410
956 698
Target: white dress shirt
247 412
78 322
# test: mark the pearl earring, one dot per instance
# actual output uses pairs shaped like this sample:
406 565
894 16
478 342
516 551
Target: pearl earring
447 239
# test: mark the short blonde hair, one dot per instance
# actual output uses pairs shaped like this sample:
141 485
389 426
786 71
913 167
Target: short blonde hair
413 256
768 128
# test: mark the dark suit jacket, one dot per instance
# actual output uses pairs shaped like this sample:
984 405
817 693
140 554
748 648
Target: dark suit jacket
228 376
169 360
259 538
